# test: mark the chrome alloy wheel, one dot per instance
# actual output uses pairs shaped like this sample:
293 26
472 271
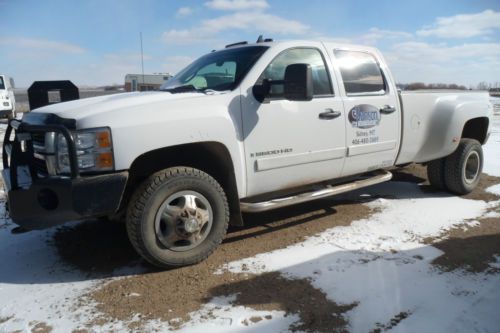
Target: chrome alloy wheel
183 221
471 167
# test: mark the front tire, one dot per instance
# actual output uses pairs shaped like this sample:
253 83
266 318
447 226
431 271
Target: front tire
177 217
463 168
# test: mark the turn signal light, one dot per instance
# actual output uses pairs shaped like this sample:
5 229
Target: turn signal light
103 139
104 160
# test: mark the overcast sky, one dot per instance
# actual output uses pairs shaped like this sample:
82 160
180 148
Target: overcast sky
97 42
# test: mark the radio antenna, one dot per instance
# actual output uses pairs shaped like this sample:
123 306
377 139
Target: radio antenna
142 59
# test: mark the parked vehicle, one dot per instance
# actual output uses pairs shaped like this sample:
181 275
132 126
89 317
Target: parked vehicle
249 128
7 98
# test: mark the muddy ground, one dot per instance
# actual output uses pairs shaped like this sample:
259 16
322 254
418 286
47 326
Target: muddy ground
98 248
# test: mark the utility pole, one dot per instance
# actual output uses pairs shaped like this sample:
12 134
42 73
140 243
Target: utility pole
142 59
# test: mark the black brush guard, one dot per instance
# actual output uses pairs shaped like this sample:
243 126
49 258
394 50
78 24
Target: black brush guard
38 202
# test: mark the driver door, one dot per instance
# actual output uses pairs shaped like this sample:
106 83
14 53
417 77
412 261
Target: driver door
293 143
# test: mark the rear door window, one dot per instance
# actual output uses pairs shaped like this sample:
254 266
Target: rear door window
360 72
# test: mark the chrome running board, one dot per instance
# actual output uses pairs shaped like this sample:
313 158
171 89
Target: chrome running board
329 190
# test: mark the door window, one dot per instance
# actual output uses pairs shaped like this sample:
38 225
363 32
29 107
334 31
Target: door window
275 71
361 73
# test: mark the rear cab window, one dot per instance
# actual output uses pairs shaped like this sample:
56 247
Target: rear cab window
361 73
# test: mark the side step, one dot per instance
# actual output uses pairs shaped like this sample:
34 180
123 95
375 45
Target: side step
329 190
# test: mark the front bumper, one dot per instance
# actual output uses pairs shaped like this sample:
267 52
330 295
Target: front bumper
41 201
5 113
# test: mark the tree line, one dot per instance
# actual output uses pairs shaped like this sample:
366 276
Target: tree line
491 87
421 86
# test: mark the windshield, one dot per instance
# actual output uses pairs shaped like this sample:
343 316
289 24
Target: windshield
2 85
222 70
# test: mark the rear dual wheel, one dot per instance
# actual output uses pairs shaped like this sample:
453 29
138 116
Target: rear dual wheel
177 217
459 172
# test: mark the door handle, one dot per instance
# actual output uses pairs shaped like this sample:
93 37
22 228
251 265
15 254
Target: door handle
387 109
329 114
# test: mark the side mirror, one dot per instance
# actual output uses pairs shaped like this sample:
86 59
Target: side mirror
298 82
261 91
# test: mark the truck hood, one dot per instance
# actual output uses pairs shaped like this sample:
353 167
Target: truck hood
87 107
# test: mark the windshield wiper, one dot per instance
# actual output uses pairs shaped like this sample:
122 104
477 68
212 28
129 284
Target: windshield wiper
191 88
181 89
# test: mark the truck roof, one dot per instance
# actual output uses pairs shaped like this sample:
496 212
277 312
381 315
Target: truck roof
328 43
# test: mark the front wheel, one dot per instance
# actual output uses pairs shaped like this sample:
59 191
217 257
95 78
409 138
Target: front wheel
463 168
177 217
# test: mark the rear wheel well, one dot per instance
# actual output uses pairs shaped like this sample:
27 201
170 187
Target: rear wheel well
210 157
476 128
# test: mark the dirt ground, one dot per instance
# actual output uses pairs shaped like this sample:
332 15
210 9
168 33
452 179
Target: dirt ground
97 248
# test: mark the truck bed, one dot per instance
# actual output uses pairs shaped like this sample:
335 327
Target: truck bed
432 120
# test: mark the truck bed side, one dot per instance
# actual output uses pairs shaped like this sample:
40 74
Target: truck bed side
433 122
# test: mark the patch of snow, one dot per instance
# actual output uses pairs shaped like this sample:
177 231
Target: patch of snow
220 316
491 215
492 149
473 223
496 264
36 285
401 225
495 189
382 264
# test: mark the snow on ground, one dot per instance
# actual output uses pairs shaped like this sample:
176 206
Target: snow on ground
381 263
33 284
495 189
492 165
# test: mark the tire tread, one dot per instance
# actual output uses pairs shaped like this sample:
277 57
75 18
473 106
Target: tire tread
144 192
453 166
436 174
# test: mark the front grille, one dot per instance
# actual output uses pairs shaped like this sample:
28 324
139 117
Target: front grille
39 164
40 167
38 139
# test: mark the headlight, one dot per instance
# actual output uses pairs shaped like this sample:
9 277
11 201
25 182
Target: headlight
94 150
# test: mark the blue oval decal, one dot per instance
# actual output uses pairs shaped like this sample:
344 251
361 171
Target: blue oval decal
364 116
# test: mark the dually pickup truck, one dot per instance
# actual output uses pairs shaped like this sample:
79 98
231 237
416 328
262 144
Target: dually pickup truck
248 128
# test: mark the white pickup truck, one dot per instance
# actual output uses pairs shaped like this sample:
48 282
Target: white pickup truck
248 128
7 98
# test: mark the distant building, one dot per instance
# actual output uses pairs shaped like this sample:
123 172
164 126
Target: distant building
495 92
146 82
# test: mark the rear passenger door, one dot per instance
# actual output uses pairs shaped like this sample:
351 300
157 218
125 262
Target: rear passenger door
372 119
